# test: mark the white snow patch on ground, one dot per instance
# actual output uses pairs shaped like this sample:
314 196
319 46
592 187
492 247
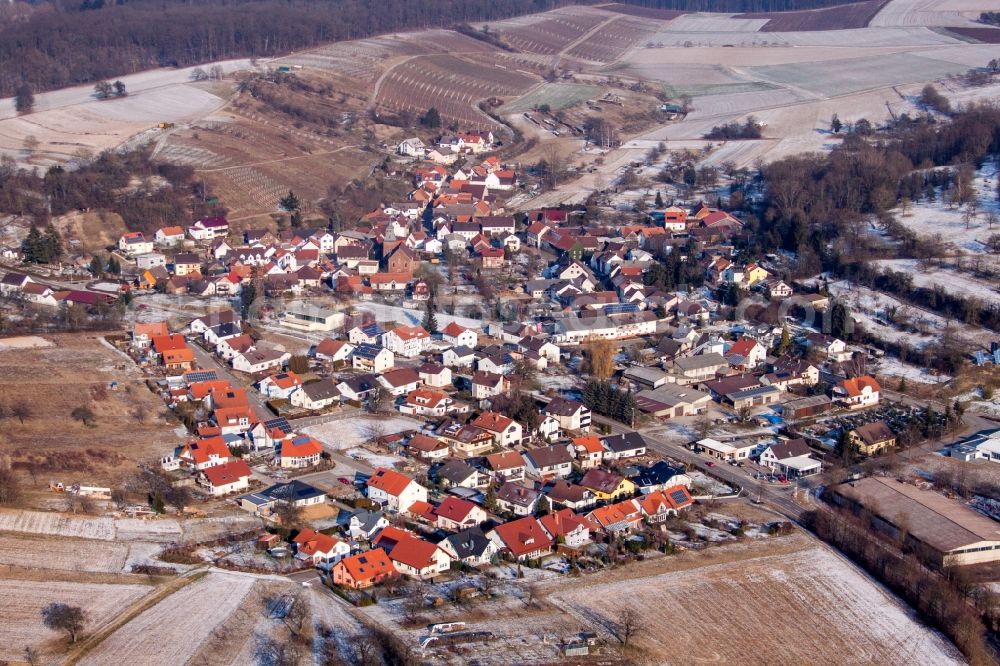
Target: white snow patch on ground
349 433
893 367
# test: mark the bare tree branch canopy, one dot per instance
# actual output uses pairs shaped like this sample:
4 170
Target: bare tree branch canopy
627 624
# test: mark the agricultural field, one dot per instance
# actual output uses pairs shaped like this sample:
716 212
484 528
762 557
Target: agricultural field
842 77
54 381
552 32
715 23
173 631
77 555
854 15
929 13
20 614
556 95
810 606
452 85
612 39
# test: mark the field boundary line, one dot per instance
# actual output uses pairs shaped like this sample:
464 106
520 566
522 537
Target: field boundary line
274 161
86 646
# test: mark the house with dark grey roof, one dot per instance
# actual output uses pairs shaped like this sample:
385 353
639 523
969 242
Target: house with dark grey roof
626 445
470 546
549 462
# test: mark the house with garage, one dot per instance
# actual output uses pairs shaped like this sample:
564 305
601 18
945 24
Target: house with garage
618 518
427 448
393 490
370 334
399 381
459 474
260 359
569 495
299 494
358 388
458 357
659 476
734 450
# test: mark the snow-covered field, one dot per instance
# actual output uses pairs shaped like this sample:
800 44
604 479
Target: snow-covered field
172 631
892 367
755 611
353 432
22 603
928 12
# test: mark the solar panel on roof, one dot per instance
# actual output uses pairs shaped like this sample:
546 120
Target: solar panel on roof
618 308
996 356
678 496
980 358
201 376
280 423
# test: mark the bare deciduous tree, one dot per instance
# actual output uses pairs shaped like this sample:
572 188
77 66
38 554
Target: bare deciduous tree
627 624
65 617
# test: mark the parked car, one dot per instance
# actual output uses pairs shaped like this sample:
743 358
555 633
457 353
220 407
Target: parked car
709 464
344 480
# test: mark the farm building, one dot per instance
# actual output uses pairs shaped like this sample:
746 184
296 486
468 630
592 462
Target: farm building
943 529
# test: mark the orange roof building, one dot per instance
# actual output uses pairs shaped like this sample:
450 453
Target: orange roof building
363 570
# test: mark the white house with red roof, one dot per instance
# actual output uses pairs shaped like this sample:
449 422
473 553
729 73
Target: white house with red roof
455 514
408 341
205 453
505 430
418 558
746 353
393 490
299 451
279 386
320 549
229 477
459 336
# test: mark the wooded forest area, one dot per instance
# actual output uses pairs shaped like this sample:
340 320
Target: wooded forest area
50 47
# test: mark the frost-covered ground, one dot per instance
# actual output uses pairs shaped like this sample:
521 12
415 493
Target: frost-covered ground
349 433
952 281
938 217
893 367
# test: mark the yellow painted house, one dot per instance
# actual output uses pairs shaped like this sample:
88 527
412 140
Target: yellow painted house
607 485
755 274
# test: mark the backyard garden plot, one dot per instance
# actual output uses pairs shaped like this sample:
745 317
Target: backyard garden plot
843 77
807 607
613 39
172 631
555 95
925 13
23 601
549 33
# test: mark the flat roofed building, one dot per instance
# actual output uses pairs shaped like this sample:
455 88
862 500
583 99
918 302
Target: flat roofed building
943 528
